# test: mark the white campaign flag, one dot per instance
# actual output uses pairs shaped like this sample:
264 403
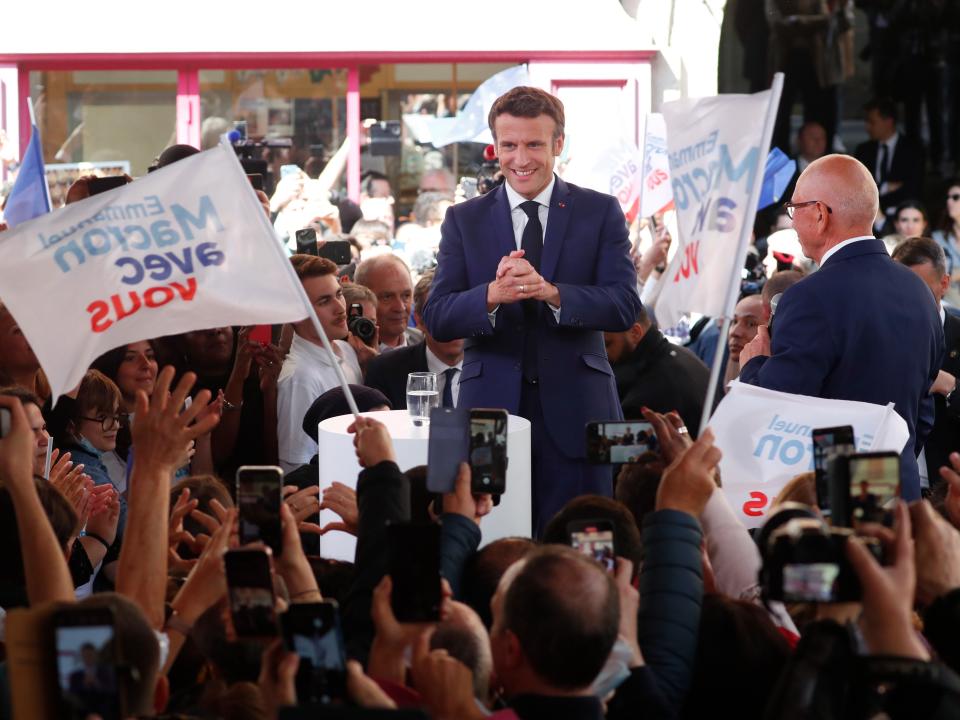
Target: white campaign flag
765 437
717 152
656 193
184 248
612 166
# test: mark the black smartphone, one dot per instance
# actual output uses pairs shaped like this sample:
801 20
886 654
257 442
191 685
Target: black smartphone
312 631
259 494
864 487
336 250
827 444
256 180
594 538
415 571
250 592
488 450
307 241
619 442
87 656
447 447
98 185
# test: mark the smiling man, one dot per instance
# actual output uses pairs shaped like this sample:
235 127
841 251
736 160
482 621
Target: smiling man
307 371
532 274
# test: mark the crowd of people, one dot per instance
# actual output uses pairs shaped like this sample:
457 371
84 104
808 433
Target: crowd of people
118 499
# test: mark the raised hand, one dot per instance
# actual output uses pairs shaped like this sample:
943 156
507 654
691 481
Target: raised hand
688 481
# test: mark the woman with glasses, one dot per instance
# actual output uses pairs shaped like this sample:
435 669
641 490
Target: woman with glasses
948 236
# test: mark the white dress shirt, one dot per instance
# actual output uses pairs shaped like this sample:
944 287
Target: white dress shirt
306 374
519 219
836 248
438 366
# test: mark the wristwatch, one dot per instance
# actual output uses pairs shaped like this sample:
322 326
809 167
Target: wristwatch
949 397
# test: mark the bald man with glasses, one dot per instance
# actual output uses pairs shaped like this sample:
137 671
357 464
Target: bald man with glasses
863 327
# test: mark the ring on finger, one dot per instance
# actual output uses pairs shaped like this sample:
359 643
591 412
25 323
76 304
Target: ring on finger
521 289
682 430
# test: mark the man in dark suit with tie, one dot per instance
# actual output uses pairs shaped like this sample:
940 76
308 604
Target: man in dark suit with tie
863 327
925 258
531 274
895 161
388 371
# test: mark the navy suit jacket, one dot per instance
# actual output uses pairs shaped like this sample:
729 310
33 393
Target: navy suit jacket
586 255
388 372
865 328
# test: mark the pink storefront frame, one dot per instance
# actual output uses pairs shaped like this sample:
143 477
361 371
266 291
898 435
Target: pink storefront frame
188 66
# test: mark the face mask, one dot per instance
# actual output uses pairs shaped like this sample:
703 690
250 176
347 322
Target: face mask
615 670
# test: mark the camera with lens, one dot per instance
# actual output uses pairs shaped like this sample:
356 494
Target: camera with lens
363 328
805 560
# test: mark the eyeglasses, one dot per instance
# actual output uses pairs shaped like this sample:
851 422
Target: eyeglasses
107 422
953 196
791 207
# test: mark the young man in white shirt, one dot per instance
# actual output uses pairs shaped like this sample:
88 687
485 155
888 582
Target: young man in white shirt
308 371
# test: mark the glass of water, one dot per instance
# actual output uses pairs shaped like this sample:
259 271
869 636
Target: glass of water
422 396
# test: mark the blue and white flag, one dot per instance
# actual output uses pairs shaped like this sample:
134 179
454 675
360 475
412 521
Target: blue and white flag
470 125
185 248
30 196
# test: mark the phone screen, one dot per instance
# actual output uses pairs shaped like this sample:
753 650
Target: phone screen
415 571
312 631
829 443
86 665
262 334
259 491
810 582
611 443
594 538
250 591
874 487
447 447
488 450
307 241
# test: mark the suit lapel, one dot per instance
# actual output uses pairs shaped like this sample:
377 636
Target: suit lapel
557 220
506 242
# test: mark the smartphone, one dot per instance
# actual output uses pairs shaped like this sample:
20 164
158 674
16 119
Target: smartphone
864 487
262 334
594 538
827 444
256 179
288 170
250 592
87 654
447 447
336 250
611 443
488 450
307 241
312 631
415 571
98 185
259 494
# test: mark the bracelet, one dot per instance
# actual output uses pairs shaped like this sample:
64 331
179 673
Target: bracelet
177 624
227 405
97 538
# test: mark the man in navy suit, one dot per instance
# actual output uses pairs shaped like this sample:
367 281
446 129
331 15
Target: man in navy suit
531 275
863 327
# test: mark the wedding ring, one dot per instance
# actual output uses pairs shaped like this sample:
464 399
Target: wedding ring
521 289
682 430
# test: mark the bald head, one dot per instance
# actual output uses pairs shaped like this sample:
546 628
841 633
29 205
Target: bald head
848 203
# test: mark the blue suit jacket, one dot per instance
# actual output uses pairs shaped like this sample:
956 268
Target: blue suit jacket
586 255
864 328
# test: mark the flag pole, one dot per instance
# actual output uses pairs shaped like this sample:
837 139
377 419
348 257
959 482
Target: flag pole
733 288
298 288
